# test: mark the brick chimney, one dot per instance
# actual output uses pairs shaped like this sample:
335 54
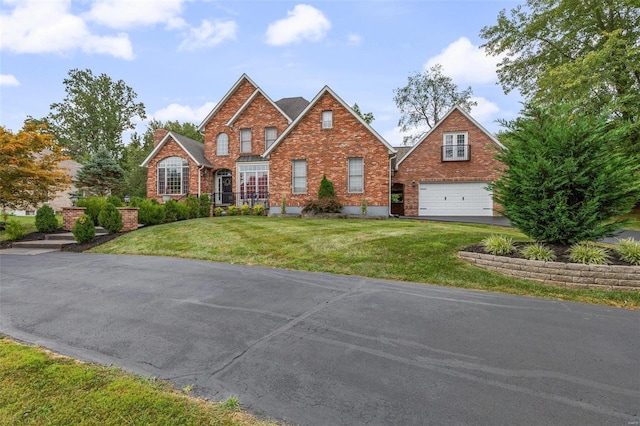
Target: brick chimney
158 135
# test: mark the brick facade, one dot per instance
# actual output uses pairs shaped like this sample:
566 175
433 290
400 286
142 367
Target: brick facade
69 216
425 163
327 152
129 218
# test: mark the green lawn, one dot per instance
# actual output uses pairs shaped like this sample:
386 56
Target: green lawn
40 388
28 224
634 219
406 250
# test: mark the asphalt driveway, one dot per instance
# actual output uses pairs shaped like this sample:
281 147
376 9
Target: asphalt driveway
321 349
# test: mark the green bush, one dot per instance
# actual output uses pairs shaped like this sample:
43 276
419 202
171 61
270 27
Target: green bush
629 250
326 189
498 245
14 230
324 205
116 201
538 251
283 205
150 213
233 210
363 206
84 230
171 211
564 177
110 218
205 205
588 253
245 210
92 205
193 205
46 220
218 211
136 201
258 210
183 211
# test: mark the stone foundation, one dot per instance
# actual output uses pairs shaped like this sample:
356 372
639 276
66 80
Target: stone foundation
609 277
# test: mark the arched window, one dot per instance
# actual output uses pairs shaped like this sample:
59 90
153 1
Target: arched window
222 144
173 176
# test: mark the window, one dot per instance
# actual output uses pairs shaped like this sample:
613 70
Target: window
245 140
254 181
455 147
270 136
173 176
222 144
355 175
327 119
299 176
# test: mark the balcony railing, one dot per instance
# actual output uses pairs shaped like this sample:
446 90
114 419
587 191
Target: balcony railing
456 152
240 198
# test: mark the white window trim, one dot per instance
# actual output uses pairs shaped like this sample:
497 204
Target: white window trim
361 191
293 176
218 145
327 124
454 145
184 186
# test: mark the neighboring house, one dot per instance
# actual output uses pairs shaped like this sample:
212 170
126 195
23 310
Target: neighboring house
447 171
257 151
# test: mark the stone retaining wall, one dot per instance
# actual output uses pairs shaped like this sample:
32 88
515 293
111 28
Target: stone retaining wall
610 277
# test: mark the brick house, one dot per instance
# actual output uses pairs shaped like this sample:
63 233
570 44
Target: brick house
259 151
447 171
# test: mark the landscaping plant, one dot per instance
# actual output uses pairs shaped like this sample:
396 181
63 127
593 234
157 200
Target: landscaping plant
629 250
83 230
46 220
245 210
110 218
205 205
171 211
538 251
498 245
14 230
283 205
565 179
92 206
258 210
150 213
326 189
589 253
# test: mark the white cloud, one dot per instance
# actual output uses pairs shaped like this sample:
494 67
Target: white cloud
124 14
209 34
8 80
485 111
47 27
184 113
304 22
354 39
466 63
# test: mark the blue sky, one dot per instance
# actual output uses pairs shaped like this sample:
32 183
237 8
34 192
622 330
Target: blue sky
181 56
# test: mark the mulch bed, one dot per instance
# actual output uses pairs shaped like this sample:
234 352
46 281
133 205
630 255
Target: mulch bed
562 253
75 248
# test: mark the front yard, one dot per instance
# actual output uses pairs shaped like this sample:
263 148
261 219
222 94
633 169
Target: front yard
405 250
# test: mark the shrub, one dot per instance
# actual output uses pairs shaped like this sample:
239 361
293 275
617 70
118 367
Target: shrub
233 211
116 201
565 177
258 210
150 213
193 205
136 201
326 189
589 253
245 209
110 218
183 211
283 205
84 230
498 245
205 205
92 205
325 205
218 211
14 230
363 206
46 220
171 211
629 250
538 251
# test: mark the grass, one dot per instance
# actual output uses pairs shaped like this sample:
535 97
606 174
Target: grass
41 388
28 224
416 251
634 219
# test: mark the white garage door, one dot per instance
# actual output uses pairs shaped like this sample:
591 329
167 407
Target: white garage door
455 199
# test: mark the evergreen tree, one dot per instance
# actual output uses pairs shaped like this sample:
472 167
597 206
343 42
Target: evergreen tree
101 175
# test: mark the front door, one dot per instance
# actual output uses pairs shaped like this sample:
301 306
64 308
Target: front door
224 187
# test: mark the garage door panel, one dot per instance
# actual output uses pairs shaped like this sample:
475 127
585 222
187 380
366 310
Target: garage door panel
455 199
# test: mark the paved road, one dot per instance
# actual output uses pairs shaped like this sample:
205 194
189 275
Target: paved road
320 349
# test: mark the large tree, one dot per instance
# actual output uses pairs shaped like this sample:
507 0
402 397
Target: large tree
101 175
583 52
94 113
29 167
367 116
426 98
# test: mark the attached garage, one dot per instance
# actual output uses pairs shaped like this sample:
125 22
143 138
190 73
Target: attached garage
455 199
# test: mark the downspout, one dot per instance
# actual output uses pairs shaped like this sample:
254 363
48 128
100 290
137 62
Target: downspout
390 184
199 175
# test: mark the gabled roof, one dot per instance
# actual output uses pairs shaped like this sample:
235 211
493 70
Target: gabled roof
467 115
194 149
244 106
243 77
326 89
293 106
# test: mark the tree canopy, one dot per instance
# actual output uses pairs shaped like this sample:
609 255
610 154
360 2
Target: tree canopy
583 52
426 98
101 175
367 116
94 113
29 167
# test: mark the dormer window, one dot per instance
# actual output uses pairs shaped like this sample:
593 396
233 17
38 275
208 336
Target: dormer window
455 147
327 119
